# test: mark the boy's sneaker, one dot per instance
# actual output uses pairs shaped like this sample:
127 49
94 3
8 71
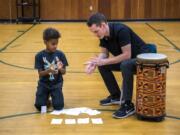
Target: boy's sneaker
110 101
124 111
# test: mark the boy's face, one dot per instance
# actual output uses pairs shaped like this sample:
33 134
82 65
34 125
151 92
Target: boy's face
99 31
51 45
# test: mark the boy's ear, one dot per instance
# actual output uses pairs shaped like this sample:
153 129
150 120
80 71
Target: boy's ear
45 42
103 24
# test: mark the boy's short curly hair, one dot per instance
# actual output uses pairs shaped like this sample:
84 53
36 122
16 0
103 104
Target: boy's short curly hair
51 33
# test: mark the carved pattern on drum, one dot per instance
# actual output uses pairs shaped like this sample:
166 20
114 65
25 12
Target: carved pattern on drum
151 87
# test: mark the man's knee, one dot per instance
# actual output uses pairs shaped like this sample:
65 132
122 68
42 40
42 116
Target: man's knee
127 65
100 68
103 68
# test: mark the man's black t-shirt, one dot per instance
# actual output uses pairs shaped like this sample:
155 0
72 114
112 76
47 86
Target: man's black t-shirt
44 59
121 35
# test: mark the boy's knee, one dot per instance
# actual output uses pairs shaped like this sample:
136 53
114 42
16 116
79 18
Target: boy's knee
39 103
58 106
38 107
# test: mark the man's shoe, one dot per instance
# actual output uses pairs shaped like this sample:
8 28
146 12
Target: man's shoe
124 111
110 101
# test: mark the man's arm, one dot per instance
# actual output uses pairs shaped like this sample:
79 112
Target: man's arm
91 66
126 54
104 53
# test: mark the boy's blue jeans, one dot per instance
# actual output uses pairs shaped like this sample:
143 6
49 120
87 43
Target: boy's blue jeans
43 92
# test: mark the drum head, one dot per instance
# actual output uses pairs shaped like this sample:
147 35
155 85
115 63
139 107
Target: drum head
151 58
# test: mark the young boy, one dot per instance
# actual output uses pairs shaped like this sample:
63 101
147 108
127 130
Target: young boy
51 65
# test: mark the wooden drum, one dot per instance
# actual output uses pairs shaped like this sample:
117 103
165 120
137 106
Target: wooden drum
151 86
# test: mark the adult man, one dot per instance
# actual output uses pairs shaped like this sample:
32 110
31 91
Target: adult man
124 45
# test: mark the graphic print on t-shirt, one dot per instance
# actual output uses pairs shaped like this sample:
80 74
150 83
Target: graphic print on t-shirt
51 65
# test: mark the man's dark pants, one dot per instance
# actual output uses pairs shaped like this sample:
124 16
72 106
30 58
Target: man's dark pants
128 69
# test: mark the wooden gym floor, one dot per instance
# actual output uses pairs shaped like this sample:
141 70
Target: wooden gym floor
18 81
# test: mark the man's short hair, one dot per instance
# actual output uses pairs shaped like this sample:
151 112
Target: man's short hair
51 33
97 19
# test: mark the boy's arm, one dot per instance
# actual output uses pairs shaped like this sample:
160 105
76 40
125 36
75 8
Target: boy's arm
61 66
62 70
46 72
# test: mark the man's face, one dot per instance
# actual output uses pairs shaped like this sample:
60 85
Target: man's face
52 45
99 31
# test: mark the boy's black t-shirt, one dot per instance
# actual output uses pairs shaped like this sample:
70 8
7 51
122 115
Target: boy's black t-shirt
44 59
121 35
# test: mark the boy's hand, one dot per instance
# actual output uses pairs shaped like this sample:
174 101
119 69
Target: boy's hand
52 70
59 64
